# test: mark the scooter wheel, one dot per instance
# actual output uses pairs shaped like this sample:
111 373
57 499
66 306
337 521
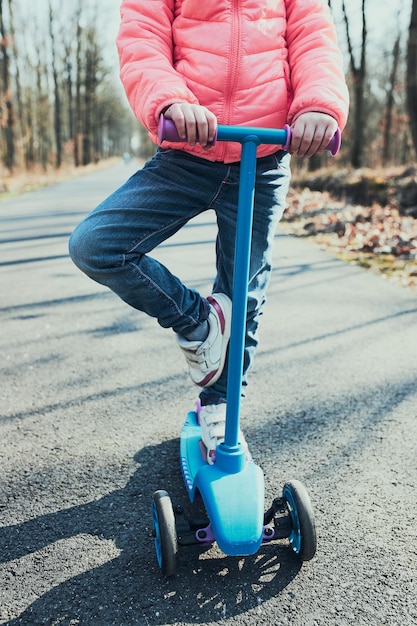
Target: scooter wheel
165 536
303 539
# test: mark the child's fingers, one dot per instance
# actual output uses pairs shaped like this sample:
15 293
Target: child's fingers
193 122
312 133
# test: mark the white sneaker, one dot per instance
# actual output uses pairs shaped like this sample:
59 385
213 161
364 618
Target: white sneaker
206 358
212 419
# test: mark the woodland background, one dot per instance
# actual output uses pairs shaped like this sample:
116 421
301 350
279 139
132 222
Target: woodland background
62 107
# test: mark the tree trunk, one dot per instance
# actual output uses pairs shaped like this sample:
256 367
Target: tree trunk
57 97
69 90
21 132
386 146
359 84
42 112
412 74
78 81
7 121
92 67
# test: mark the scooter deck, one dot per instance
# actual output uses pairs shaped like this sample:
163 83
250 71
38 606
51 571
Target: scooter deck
232 490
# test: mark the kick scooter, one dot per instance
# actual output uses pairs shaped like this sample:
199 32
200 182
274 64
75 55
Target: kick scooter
232 488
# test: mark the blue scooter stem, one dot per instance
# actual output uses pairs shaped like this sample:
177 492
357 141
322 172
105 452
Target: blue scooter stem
240 289
250 138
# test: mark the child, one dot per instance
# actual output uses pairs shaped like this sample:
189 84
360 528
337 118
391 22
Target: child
242 62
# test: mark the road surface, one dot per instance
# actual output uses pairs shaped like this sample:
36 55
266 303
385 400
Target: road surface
92 399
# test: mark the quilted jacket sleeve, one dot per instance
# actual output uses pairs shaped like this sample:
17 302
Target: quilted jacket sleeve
145 50
317 75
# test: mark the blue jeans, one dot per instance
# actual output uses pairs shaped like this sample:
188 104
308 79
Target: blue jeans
112 243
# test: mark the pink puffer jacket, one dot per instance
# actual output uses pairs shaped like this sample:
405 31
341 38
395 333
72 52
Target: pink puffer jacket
251 62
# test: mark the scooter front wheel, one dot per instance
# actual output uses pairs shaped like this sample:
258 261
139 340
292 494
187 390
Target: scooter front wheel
165 536
303 539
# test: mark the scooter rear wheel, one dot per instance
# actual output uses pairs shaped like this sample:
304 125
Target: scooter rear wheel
303 539
165 536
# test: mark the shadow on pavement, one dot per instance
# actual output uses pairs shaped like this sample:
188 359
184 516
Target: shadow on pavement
130 589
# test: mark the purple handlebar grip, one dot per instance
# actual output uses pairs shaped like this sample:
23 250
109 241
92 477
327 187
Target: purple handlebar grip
167 131
333 147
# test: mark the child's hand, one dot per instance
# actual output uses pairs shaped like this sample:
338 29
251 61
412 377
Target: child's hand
311 133
194 123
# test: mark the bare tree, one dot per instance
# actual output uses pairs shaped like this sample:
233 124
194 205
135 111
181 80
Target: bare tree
389 109
42 109
78 79
411 80
358 71
57 95
18 90
7 119
92 59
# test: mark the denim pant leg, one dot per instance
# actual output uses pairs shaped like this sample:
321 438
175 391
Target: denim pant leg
111 245
272 182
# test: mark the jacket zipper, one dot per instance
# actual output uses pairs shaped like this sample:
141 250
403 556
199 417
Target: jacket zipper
234 62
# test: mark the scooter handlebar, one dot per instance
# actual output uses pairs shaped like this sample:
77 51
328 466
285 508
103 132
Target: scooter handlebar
167 131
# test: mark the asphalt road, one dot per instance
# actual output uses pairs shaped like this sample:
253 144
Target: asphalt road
92 399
